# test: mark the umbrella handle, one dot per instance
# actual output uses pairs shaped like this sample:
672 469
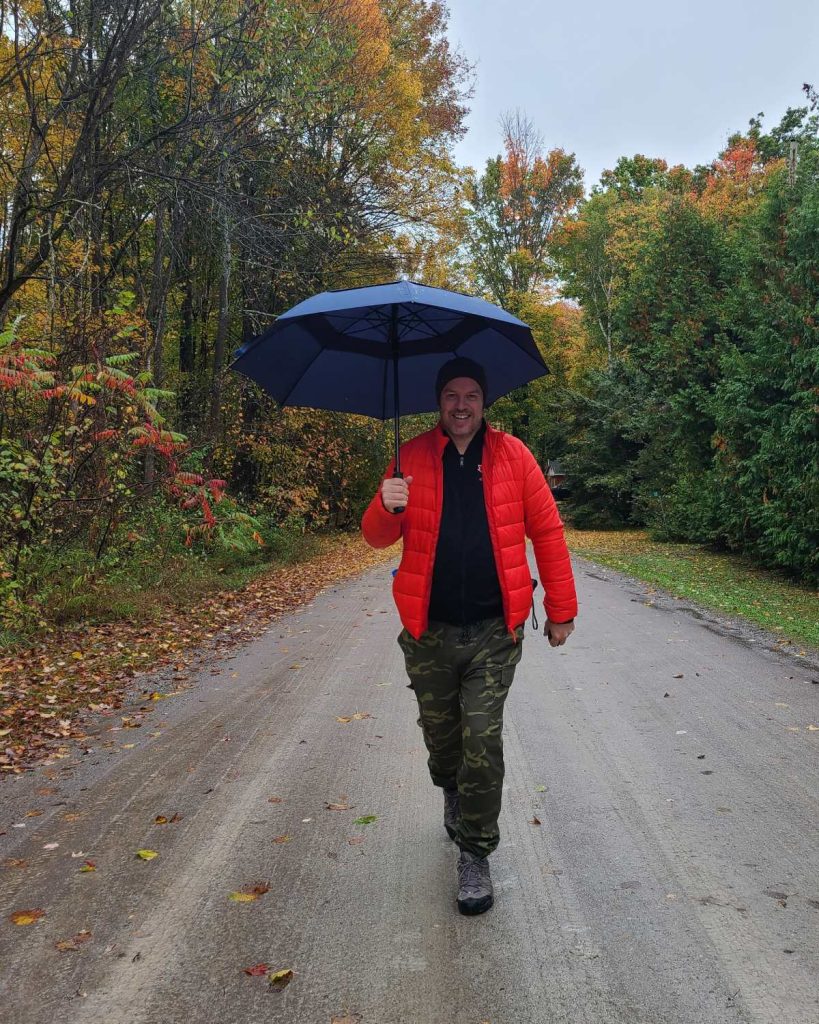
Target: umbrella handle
398 475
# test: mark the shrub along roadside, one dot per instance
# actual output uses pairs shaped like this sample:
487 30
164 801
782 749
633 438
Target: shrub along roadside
727 583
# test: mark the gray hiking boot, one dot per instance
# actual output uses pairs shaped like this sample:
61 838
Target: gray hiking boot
474 884
452 811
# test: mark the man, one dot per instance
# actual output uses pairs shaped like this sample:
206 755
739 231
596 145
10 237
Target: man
470 497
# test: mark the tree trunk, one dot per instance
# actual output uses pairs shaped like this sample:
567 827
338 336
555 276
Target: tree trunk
223 323
156 313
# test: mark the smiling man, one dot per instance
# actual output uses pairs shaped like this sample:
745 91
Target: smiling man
470 497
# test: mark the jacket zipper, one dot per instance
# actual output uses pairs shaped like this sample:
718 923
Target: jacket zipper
463 546
488 466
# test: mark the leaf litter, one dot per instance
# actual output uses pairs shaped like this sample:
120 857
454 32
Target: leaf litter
96 676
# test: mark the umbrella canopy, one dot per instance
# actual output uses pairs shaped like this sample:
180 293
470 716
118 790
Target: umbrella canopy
376 351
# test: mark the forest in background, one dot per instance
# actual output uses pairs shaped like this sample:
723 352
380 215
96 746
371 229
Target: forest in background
173 176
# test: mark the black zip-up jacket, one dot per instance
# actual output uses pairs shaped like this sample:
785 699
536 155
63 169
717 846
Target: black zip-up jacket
465 585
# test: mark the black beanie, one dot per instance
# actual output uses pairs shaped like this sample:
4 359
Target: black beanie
460 366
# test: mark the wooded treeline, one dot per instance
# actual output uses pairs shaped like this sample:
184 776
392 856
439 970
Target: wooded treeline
685 399
700 291
173 176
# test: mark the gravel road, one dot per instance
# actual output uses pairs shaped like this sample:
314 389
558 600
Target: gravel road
659 861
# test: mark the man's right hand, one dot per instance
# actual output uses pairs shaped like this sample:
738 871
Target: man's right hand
395 493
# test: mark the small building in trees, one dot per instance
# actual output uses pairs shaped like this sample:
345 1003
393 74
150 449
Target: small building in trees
557 480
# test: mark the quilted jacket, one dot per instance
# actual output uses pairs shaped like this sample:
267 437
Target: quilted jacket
519 503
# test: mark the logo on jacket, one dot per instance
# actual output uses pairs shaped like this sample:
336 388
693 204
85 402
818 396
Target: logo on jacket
479 473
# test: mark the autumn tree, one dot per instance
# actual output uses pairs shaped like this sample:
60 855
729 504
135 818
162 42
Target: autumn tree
513 209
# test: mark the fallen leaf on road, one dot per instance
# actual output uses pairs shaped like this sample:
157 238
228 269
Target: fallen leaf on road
257 970
357 717
26 916
15 862
366 819
89 866
338 807
70 945
356 841
540 789
71 816
33 814
160 819
50 846
147 854
282 839
249 893
534 821
280 979
274 800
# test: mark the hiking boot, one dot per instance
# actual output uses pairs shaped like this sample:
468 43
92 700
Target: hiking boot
474 884
452 811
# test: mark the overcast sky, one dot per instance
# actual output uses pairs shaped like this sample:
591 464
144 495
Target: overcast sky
609 79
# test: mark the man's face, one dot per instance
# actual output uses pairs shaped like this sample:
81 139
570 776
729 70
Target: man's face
461 406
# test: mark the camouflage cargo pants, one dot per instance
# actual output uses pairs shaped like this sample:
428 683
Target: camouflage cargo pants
460 678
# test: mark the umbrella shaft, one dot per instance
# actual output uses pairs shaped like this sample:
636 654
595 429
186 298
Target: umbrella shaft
394 347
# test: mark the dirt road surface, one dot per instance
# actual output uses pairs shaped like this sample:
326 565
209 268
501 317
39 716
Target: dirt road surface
659 861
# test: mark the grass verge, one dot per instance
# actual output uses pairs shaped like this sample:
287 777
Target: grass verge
727 583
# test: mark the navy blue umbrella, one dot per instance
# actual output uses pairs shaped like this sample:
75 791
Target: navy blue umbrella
355 350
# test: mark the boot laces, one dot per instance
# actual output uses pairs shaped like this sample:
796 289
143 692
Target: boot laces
473 872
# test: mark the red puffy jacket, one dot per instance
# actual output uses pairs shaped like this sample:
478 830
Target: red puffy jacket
519 503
